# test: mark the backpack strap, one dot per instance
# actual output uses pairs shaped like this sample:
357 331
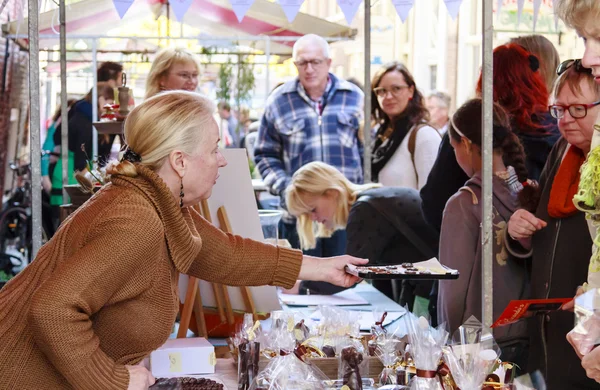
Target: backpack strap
473 195
412 144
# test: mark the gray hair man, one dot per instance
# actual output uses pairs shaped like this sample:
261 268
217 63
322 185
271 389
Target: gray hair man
438 104
314 117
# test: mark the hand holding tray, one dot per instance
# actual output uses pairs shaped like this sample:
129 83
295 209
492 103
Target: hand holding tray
424 270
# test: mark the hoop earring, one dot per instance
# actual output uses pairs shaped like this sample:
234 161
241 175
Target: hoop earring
181 194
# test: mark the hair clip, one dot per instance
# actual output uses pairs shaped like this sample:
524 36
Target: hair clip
131 156
534 63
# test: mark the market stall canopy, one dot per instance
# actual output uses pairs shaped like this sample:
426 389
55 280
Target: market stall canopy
211 18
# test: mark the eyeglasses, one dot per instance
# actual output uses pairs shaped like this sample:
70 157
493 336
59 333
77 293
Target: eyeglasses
565 65
394 90
577 111
315 63
187 76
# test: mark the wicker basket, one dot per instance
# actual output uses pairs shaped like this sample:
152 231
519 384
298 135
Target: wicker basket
78 197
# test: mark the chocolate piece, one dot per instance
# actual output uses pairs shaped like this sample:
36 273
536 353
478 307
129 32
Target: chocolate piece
329 351
407 265
301 331
249 355
186 383
351 360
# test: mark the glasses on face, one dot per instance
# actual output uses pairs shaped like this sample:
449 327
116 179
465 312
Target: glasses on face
395 90
565 65
187 75
577 111
315 63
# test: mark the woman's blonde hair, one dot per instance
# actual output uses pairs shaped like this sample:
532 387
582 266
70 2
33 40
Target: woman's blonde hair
171 120
544 50
161 66
577 13
315 179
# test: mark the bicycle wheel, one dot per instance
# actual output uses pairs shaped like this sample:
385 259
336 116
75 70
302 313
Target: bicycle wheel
15 234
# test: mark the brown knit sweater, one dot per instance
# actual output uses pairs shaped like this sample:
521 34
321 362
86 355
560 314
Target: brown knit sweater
103 292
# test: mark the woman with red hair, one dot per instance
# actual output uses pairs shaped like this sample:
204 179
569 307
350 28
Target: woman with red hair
520 89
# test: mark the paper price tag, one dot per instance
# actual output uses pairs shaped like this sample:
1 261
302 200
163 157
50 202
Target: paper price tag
175 362
290 324
212 359
298 334
345 387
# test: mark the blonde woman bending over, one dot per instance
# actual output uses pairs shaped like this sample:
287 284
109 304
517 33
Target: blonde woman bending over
102 293
172 69
383 224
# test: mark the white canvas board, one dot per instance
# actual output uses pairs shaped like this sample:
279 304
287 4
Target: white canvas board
234 191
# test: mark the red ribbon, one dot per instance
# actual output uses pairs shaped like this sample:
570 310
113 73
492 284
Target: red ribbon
442 371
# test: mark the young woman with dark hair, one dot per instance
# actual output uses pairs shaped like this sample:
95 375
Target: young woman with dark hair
520 89
460 242
405 145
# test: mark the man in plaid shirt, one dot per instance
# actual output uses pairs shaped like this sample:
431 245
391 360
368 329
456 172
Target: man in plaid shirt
312 118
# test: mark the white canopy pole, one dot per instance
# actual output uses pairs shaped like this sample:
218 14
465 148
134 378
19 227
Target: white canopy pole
64 106
34 128
487 152
367 90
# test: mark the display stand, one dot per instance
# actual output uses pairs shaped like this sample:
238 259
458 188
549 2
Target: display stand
193 299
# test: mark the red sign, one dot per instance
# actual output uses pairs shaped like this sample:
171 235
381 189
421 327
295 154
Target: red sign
517 310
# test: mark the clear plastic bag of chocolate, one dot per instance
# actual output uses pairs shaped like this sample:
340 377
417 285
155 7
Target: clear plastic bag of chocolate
471 354
248 352
585 336
426 345
289 373
352 363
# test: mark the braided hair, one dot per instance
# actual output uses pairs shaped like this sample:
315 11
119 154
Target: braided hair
468 119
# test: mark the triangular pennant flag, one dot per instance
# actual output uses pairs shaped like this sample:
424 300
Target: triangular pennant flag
499 9
291 8
180 7
520 4
536 11
403 8
554 5
349 8
240 7
453 7
122 6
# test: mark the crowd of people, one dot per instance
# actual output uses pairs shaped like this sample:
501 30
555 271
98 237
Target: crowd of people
69 317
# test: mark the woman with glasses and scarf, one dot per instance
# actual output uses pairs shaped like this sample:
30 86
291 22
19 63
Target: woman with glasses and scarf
556 236
404 151
405 145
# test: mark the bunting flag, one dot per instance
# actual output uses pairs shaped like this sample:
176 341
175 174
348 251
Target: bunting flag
349 8
291 8
180 7
122 6
453 7
520 4
240 7
536 11
499 9
403 8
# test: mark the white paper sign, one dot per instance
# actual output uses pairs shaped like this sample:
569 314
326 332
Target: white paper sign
453 7
122 6
403 7
520 4
180 7
349 8
291 8
240 7
536 11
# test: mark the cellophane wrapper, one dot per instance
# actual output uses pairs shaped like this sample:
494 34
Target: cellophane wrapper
289 373
426 345
471 355
586 333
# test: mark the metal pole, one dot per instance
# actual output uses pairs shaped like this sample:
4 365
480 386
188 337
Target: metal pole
367 118
64 107
34 128
94 155
268 70
487 151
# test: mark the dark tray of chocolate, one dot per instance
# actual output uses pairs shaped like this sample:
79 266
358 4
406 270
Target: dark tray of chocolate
425 270
186 383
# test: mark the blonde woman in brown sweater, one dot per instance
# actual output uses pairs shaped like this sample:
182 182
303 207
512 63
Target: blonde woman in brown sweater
102 294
